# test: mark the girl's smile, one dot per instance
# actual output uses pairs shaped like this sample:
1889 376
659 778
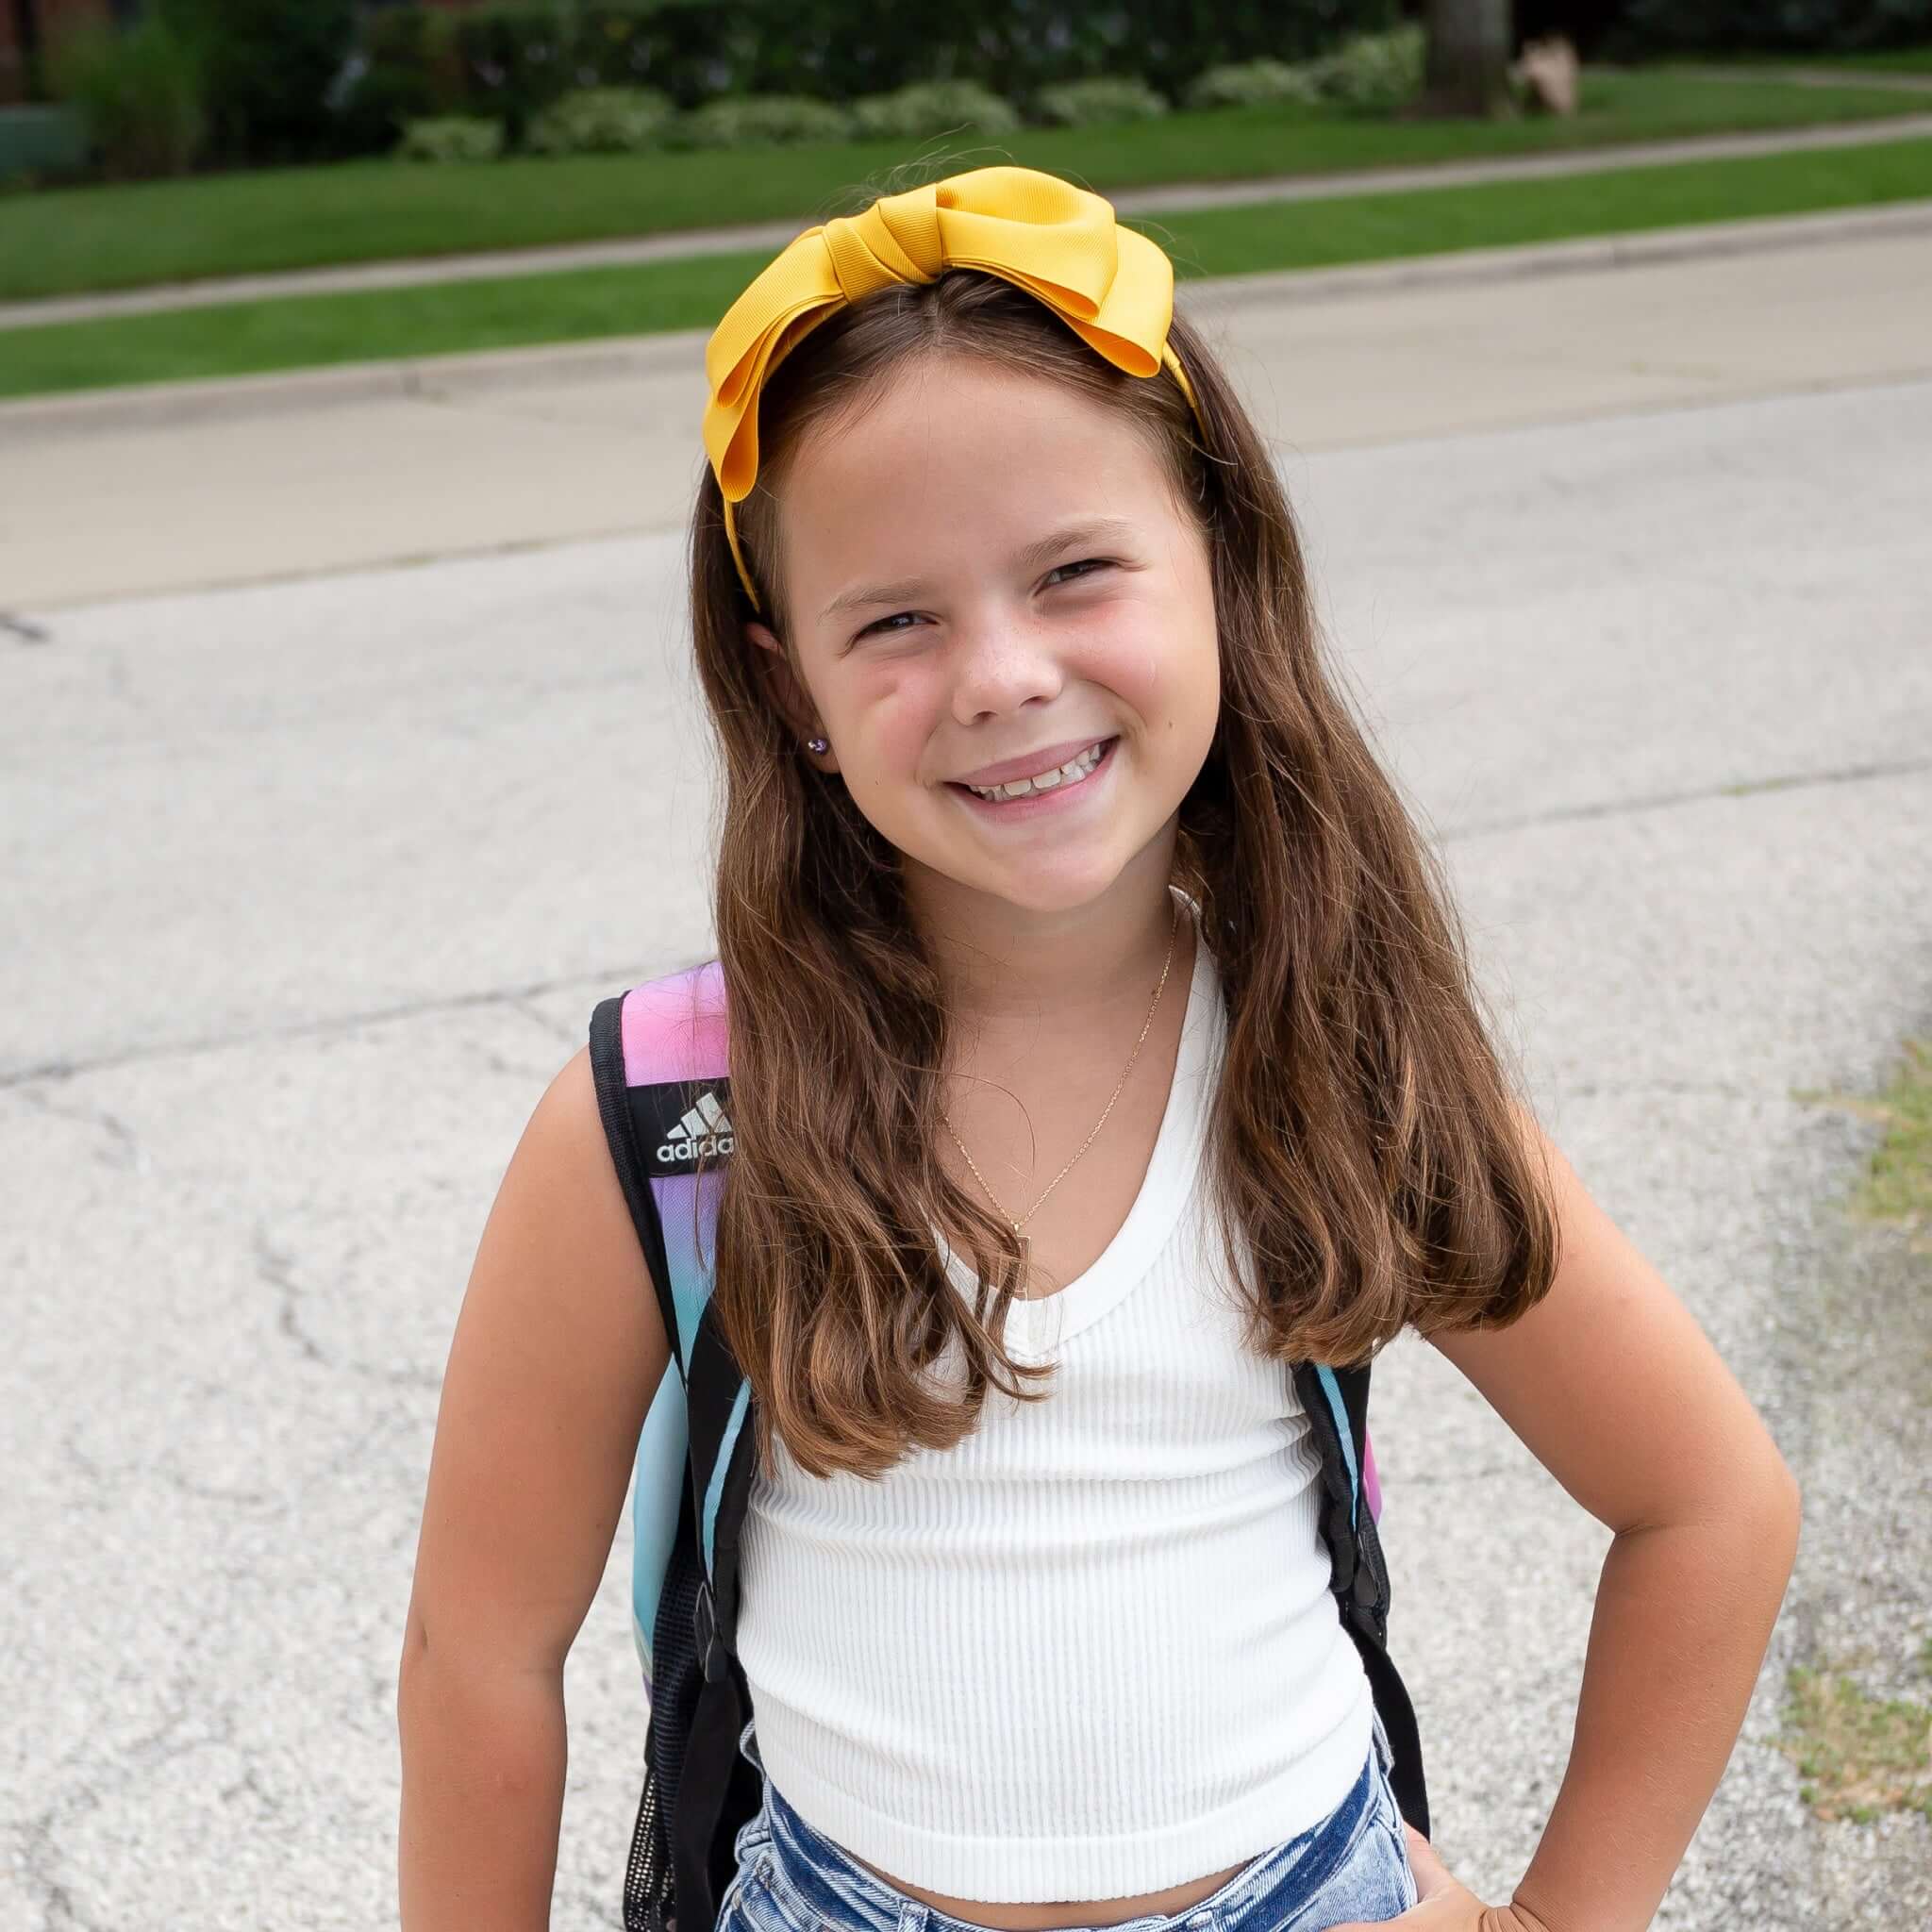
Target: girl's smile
1057 789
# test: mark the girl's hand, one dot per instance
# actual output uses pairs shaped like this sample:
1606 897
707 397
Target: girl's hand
1443 1906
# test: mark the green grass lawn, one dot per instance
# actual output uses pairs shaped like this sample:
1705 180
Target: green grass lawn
441 318
1899 61
74 239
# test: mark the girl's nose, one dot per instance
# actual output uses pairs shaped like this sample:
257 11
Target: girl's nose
1001 663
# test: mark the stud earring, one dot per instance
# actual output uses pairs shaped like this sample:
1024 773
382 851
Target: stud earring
821 746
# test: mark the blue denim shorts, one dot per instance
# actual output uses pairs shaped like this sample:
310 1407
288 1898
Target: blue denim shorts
1351 1866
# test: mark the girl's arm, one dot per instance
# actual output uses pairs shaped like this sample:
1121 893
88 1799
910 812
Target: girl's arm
557 1355
1616 1390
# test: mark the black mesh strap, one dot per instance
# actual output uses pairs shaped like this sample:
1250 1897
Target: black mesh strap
1398 1718
710 1752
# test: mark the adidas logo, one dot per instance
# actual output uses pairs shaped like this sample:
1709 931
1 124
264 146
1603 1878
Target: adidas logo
705 1128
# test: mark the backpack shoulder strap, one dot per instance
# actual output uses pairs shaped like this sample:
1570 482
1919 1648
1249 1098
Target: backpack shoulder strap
660 1054
660 1057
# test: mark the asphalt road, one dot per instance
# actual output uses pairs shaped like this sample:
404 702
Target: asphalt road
312 884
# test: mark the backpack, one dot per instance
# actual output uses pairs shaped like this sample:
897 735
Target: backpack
660 1057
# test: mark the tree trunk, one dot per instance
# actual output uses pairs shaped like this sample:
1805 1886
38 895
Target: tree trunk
1467 71
27 40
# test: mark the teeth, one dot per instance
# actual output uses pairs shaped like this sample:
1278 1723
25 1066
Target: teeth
1068 774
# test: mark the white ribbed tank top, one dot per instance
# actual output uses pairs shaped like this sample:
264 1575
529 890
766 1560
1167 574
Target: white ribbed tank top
1090 1652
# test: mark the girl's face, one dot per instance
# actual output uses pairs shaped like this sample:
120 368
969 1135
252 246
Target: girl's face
983 568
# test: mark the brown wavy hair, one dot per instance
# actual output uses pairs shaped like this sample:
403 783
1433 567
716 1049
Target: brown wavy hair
1364 1140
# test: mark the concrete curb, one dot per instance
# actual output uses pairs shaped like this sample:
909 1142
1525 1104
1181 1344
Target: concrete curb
631 252
449 379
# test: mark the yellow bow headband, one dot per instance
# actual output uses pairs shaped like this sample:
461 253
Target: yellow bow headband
1112 286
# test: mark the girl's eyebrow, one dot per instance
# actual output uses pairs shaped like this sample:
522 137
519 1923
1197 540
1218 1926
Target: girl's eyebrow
1088 530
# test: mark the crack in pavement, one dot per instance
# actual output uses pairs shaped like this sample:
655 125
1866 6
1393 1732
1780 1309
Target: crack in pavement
496 1063
124 1151
39 1855
164 1470
122 685
531 1012
17 1079
102 1492
1663 801
23 630
37 1859
276 1270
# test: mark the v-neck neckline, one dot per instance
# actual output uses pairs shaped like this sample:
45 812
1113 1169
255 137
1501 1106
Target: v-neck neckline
1036 1324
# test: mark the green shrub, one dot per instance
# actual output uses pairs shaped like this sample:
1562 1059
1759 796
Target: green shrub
1093 103
139 95
512 58
602 121
761 121
1374 72
1253 84
451 138
933 106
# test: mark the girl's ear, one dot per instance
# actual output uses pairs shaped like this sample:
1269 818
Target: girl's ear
790 697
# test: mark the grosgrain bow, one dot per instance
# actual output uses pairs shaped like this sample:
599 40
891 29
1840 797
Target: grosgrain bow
1110 284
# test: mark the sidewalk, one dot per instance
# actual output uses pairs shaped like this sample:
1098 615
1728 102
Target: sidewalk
774 235
185 486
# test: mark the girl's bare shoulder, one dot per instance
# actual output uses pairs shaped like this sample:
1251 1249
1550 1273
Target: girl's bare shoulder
558 1352
560 1246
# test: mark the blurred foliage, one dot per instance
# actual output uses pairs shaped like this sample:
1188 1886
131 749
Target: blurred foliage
1749 27
1624 30
602 121
1373 72
1096 103
933 106
140 92
513 60
451 138
269 67
761 121
1253 84
255 82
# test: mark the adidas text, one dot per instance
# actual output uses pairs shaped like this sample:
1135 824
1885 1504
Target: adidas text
705 1129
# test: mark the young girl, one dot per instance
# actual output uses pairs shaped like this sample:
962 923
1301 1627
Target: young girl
1070 1116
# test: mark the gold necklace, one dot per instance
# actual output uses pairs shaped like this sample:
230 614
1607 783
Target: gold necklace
1025 1241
